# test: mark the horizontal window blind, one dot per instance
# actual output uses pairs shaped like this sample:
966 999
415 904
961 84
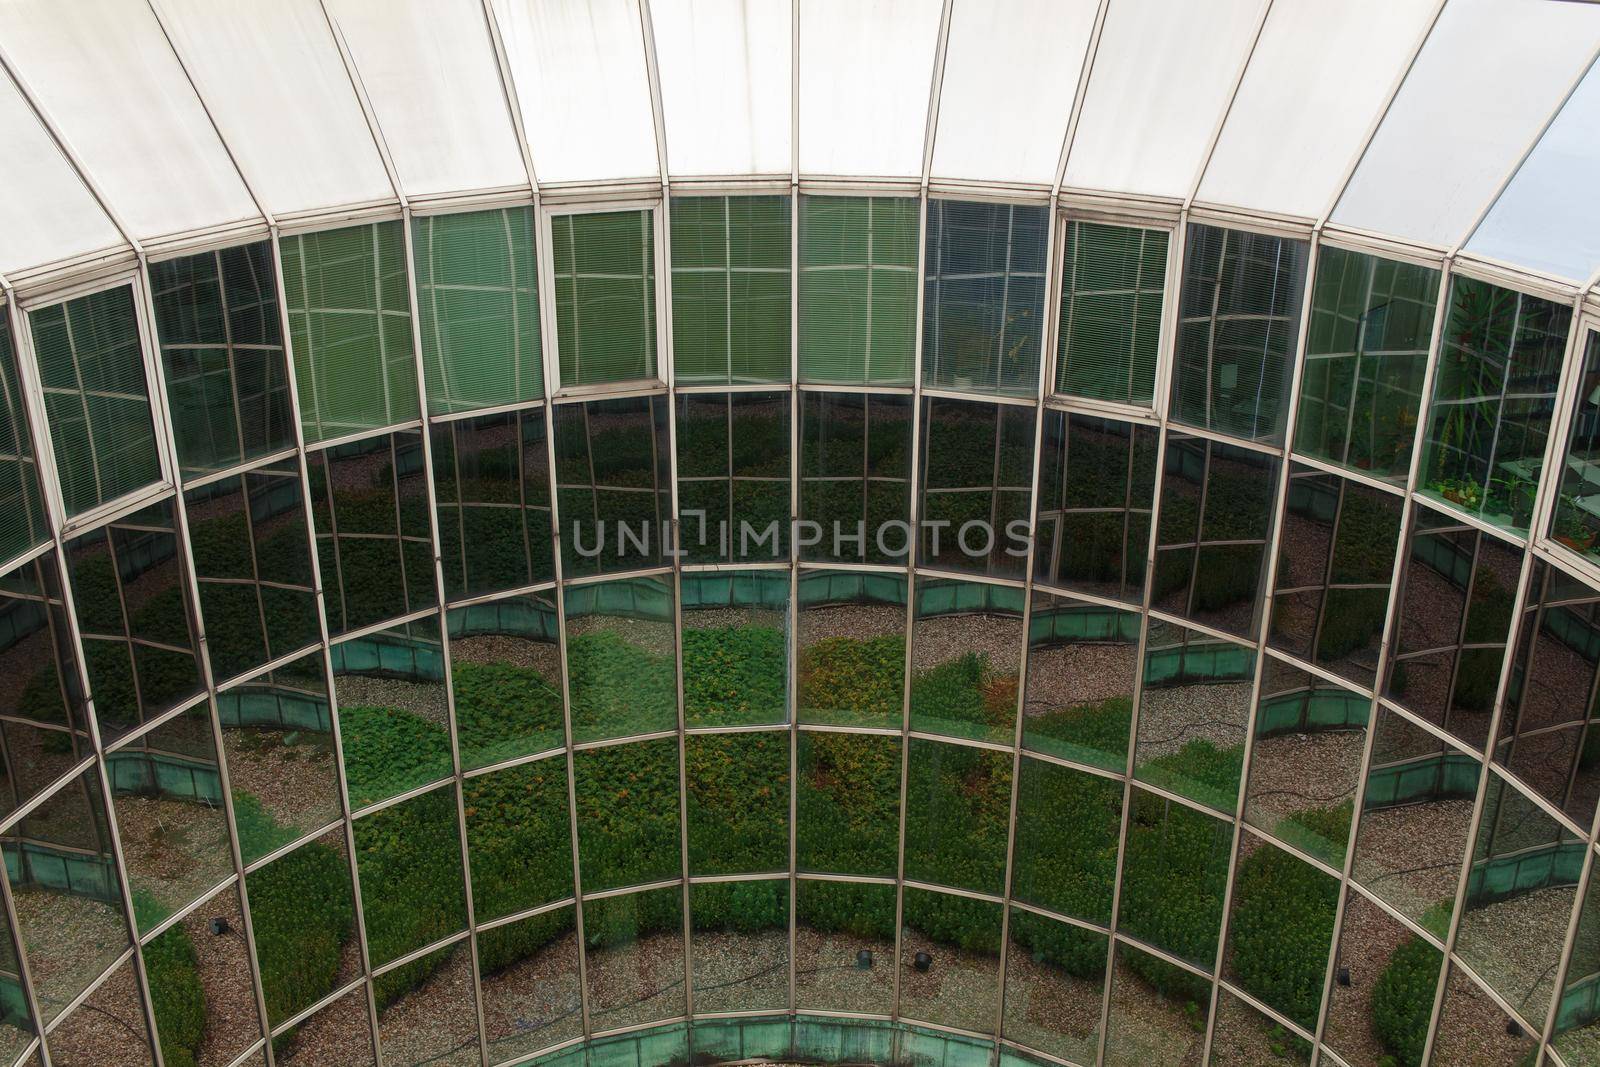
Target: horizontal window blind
22 521
350 328
983 315
478 308
858 289
96 397
605 296
222 349
1112 278
730 288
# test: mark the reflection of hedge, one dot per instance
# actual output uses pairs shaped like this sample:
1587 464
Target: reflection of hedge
518 838
1175 869
1200 771
302 913
176 995
504 711
847 804
733 675
1079 952
966 697
1402 1000
741 907
619 688
1096 734
958 801
1281 931
1066 848
627 813
737 793
862 681
388 751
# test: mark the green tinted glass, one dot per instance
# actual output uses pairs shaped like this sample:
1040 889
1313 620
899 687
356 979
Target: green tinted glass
1112 278
858 289
730 288
605 296
22 520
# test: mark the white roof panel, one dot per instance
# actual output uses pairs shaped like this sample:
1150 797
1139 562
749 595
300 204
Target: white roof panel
1490 75
104 73
1010 128
430 71
272 77
1162 74
1317 79
725 84
866 74
582 86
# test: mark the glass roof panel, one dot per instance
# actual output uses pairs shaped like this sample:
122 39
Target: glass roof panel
1549 216
104 73
228 44
1490 75
430 71
1010 128
1316 80
1162 75
866 70
579 67
725 84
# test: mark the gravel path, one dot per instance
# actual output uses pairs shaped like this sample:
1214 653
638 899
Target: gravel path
175 849
223 964
858 621
1580 1047
1472 1029
542 656
1244 1037
293 779
107 1030
1368 940
735 618
340 1033
958 990
1411 855
649 634
1515 945
945 638
1147 1029
1292 772
1067 676
1172 717
827 978
740 972
637 982
425 700
70 942
534 1003
1050 1010
436 1023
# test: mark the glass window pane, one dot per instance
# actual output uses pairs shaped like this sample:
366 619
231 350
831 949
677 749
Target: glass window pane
1575 1030
277 734
107 1028
409 860
738 802
730 288
1280 930
1493 394
1366 352
966 654
983 318
18 1028
1096 490
1472 1025
342 1031
733 477
394 725
492 481
1456 597
1306 761
605 284
1113 279
1055 979
612 484
129 591
528 972
844 947
519 840
1238 324
1211 537
1068 823
847 803
200 985
958 802
1246 1035
221 339
1158 1011
1382 995
22 519
621 665
91 370
950 960
478 308
634 950
369 504
1193 714
977 486
1174 853
1335 562
852 648
253 565
741 946
350 328
855 477
303 915
1574 524
627 797
858 288
505 675
1081 664
426 1013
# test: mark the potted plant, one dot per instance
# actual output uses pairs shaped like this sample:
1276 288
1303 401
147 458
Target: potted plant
1463 491
1571 529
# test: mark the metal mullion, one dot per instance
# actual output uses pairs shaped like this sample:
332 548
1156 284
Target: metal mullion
792 615
24 970
1316 671
1564 964
1359 477
238 469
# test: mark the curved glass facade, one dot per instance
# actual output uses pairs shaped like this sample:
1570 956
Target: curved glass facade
797 625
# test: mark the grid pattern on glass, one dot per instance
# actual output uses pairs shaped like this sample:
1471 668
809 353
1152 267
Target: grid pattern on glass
1113 284
983 310
1366 354
605 287
975 497
217 319
733 477
350 328
1574 523
855 476
730 289
1493 400
858 289
1238 325
478 308
966 653
612 484
96 397
735 634
22 519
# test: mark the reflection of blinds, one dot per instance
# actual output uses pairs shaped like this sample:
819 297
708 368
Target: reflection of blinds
1112 279
730 288
858 289
21 510
350 327
605 296
983 316
95 397
478 308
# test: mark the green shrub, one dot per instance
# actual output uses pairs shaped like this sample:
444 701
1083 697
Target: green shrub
1352 619
1322 832
856 682
1200 771
958 803
1175 869
302 913
1066 840
615 922
973 925
504 711
1282 930
176 995
734 675
1096 734
619 688
502 946
738 802
259 832
1402 1000
949 698
856 908
519 838
847 803
627 813
1079 952
741 907
388 751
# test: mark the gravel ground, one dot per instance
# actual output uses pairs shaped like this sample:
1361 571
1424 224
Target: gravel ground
424 699
1070 675
1472 1029
739 972
107 1030
1170 718
542 656
738 618
858 621
1292 772
945 638
1515 945
1048 1009
636 983
1147 1029
1411 855
534 1003
175 849
826 976
294 780
34 766
958 990
1368 940
13 1041
223 963
648 634
70 942
1580 1047
1243 1037
340 1033
436 1023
